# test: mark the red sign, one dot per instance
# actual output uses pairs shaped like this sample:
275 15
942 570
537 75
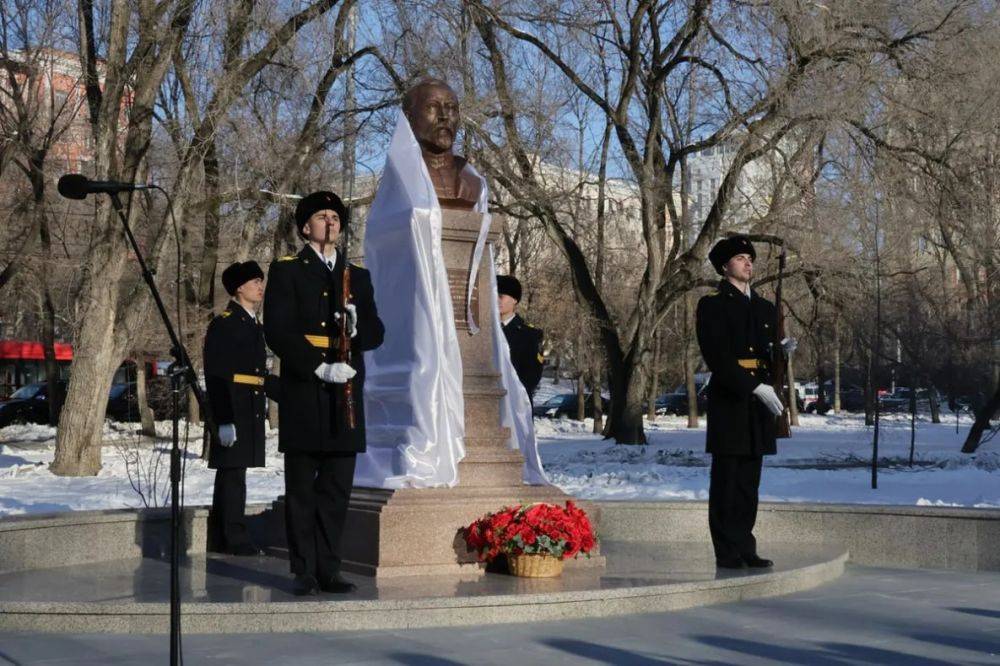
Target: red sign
33 351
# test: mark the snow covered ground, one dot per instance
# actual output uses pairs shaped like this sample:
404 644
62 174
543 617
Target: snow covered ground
826 460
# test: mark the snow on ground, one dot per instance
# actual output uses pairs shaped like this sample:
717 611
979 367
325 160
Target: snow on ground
130 464
826 460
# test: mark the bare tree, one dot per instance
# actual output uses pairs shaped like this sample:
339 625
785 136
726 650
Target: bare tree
656 46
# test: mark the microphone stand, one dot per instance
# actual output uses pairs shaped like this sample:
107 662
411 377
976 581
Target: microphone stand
181 373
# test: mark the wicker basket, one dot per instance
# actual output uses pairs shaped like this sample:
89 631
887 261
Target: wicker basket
538 565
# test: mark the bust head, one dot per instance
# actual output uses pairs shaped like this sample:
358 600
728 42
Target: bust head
432 108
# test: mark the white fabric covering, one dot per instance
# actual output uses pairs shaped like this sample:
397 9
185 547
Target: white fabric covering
413 390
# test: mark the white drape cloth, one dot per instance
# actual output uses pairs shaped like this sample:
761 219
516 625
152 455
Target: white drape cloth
515 408
413 388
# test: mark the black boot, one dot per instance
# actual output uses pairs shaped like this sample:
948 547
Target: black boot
730 563
336 584
755 562
305 585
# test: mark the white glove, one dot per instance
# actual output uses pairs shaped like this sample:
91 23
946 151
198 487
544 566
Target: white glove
352 319
789 345
335 373
765 393
227 434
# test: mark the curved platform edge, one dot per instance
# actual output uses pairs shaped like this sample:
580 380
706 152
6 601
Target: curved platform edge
354 615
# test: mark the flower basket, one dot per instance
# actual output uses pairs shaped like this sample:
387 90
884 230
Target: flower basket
535 566
535 538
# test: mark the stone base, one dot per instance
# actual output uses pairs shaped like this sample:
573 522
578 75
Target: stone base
410 532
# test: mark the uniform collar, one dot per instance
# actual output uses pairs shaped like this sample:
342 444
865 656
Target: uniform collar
237 307
310 257
509 320
321 257
513 322
728 288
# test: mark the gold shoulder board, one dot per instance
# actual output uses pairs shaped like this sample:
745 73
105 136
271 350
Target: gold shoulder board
287 257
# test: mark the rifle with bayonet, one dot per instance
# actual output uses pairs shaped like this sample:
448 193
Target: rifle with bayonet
779 361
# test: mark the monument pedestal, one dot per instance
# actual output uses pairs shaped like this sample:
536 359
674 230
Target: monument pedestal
412 531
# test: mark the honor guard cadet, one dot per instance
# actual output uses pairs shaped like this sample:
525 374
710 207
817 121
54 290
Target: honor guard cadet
734 327
524 340
236 380
320 335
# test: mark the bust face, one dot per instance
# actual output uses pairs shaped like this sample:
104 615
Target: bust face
434 117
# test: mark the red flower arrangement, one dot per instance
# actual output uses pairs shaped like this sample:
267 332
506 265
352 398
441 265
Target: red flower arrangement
562 532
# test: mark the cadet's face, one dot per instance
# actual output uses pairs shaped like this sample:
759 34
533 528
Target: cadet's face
434 118
322 222
740 267
252 291
507 305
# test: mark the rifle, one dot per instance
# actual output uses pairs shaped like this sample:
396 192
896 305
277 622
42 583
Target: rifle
344 341
779 364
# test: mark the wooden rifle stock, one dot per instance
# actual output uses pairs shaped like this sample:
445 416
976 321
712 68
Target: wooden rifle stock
344 345
779 364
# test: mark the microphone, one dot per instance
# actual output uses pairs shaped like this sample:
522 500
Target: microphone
78 186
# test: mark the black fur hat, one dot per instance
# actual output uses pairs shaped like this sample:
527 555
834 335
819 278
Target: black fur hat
727 248
238 274
316 202
508 284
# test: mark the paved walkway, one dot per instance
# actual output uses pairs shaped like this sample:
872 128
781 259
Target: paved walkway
869 616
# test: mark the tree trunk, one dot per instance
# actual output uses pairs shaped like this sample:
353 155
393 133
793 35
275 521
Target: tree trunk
653 375
793 404
98 351
595 394
49 350
689 365
981 424
836 365
581 402
142 400
628 390
934 398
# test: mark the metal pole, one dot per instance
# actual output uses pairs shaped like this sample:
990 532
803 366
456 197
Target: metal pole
175 519
878 349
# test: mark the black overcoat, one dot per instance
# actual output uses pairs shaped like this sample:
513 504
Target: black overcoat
525 342
234 345
735 333
300 301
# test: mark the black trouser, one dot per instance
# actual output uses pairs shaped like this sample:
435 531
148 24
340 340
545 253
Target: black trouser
227 527
732 504
317 492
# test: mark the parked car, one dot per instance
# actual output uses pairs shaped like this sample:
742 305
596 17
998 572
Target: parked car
123 402
852 399
676 402
808 396
28 404
566 405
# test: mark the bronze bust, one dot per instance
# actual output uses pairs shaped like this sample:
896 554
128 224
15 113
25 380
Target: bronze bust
432 108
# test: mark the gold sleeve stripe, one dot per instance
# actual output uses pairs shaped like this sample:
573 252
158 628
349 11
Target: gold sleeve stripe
321 341
252 380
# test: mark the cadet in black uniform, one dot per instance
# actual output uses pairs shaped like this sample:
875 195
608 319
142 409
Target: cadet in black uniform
735 333
303 313
236 379
524 340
